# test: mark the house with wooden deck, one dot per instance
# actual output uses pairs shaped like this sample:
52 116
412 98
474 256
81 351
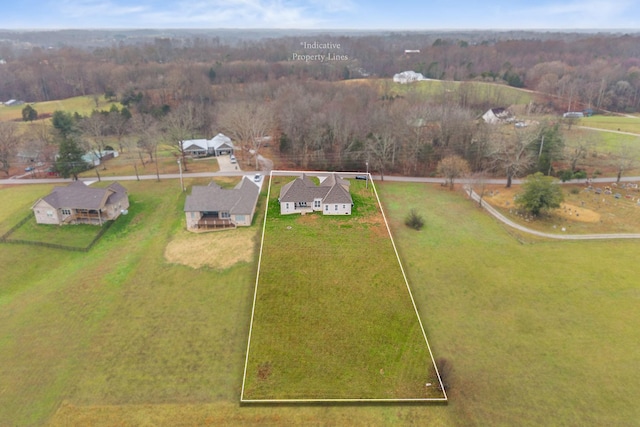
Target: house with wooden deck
211 207
78 203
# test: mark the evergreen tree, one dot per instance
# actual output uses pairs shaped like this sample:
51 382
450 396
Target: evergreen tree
64 123
29 114
69 161
540 193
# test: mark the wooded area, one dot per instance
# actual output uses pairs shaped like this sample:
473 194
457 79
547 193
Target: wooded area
333 115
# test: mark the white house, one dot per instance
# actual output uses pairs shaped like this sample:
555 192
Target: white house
496 116
408 77
302 195
219 145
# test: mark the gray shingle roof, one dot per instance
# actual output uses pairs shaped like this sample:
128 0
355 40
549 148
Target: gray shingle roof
333 189
78 196
240 200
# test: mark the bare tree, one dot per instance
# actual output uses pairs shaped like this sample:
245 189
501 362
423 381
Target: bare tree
248 123
146 128
511 153
478 183
181 124
118 125
381 143
9 140
579 149
626 158
94 130
452 167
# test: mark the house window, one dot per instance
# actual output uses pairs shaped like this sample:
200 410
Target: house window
344 206
193 215
286 206
66 212
225 215
316 203
50 213
336 207
326 207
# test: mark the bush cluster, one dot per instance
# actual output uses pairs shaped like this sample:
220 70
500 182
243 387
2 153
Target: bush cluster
414 220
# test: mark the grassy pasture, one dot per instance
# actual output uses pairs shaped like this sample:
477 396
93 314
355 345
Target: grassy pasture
474 91
616 123
333 318
537 333
83 105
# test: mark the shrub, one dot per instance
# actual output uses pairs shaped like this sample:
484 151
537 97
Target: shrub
574 190
565 175
414 220
580 175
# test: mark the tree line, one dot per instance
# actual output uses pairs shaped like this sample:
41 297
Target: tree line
599 71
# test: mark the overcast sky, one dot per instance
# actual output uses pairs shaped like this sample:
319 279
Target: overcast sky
321 14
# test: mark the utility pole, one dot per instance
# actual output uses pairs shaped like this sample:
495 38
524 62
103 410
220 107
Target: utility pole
181 183
366 185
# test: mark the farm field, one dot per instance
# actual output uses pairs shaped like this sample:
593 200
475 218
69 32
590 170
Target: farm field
498 94
615 123
81 104
121 336
333 318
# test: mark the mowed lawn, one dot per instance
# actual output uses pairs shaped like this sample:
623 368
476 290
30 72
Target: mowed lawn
333 318
536 333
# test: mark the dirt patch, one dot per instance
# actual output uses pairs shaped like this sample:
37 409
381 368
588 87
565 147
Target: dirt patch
264 371
504 198
219 249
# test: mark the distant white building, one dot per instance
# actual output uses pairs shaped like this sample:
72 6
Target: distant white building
496 116
408 77
13 102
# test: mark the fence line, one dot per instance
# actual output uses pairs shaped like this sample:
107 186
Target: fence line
6 235
5 238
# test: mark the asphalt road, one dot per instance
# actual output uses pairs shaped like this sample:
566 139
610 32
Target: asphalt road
472 194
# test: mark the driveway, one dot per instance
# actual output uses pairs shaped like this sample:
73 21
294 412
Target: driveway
225 165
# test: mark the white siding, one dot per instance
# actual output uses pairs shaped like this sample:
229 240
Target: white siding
337 209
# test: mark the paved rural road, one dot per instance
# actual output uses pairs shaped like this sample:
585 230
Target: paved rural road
522 228
475 196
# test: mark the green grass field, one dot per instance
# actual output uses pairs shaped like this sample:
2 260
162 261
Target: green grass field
616 123
475 91
536 333
83 105
333 318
